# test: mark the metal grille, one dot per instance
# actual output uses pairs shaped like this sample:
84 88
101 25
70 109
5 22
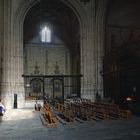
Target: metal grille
52 87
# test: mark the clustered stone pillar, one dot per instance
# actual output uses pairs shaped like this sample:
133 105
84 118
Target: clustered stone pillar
100 43
12 81
92 50
1 39
6 56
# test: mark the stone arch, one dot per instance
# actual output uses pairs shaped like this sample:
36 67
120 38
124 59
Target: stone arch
74 5
26 5
17 33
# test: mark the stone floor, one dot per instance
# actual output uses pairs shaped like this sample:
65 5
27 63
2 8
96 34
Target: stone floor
25 124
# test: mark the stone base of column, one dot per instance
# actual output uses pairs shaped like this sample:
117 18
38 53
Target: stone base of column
88 92
10 103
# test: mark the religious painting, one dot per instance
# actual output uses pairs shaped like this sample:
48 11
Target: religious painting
37 88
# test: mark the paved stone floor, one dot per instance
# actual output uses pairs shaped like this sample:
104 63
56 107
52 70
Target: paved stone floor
25 124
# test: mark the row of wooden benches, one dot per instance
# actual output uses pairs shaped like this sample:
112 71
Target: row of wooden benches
72 111
110 109
90 110
85 110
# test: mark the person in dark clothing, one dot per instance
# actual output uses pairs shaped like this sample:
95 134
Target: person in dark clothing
98 98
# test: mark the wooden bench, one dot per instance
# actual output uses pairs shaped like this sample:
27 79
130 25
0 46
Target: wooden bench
88 110
49 118
99 110
114 109
67 113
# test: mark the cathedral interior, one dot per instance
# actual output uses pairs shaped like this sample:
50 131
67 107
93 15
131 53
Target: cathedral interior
79 59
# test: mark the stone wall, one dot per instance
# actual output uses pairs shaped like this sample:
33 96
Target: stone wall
46 57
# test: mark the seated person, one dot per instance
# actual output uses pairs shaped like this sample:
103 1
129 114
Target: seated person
2 108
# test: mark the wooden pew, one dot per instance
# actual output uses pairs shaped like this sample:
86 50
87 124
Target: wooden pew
65 112
49 118
86 109
99 110
114 109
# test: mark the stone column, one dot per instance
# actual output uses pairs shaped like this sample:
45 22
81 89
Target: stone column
88 50
92 49
6 74
12 81
1 38
100 43
17 55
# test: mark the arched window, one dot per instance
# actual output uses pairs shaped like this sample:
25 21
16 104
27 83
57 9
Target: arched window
45 34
